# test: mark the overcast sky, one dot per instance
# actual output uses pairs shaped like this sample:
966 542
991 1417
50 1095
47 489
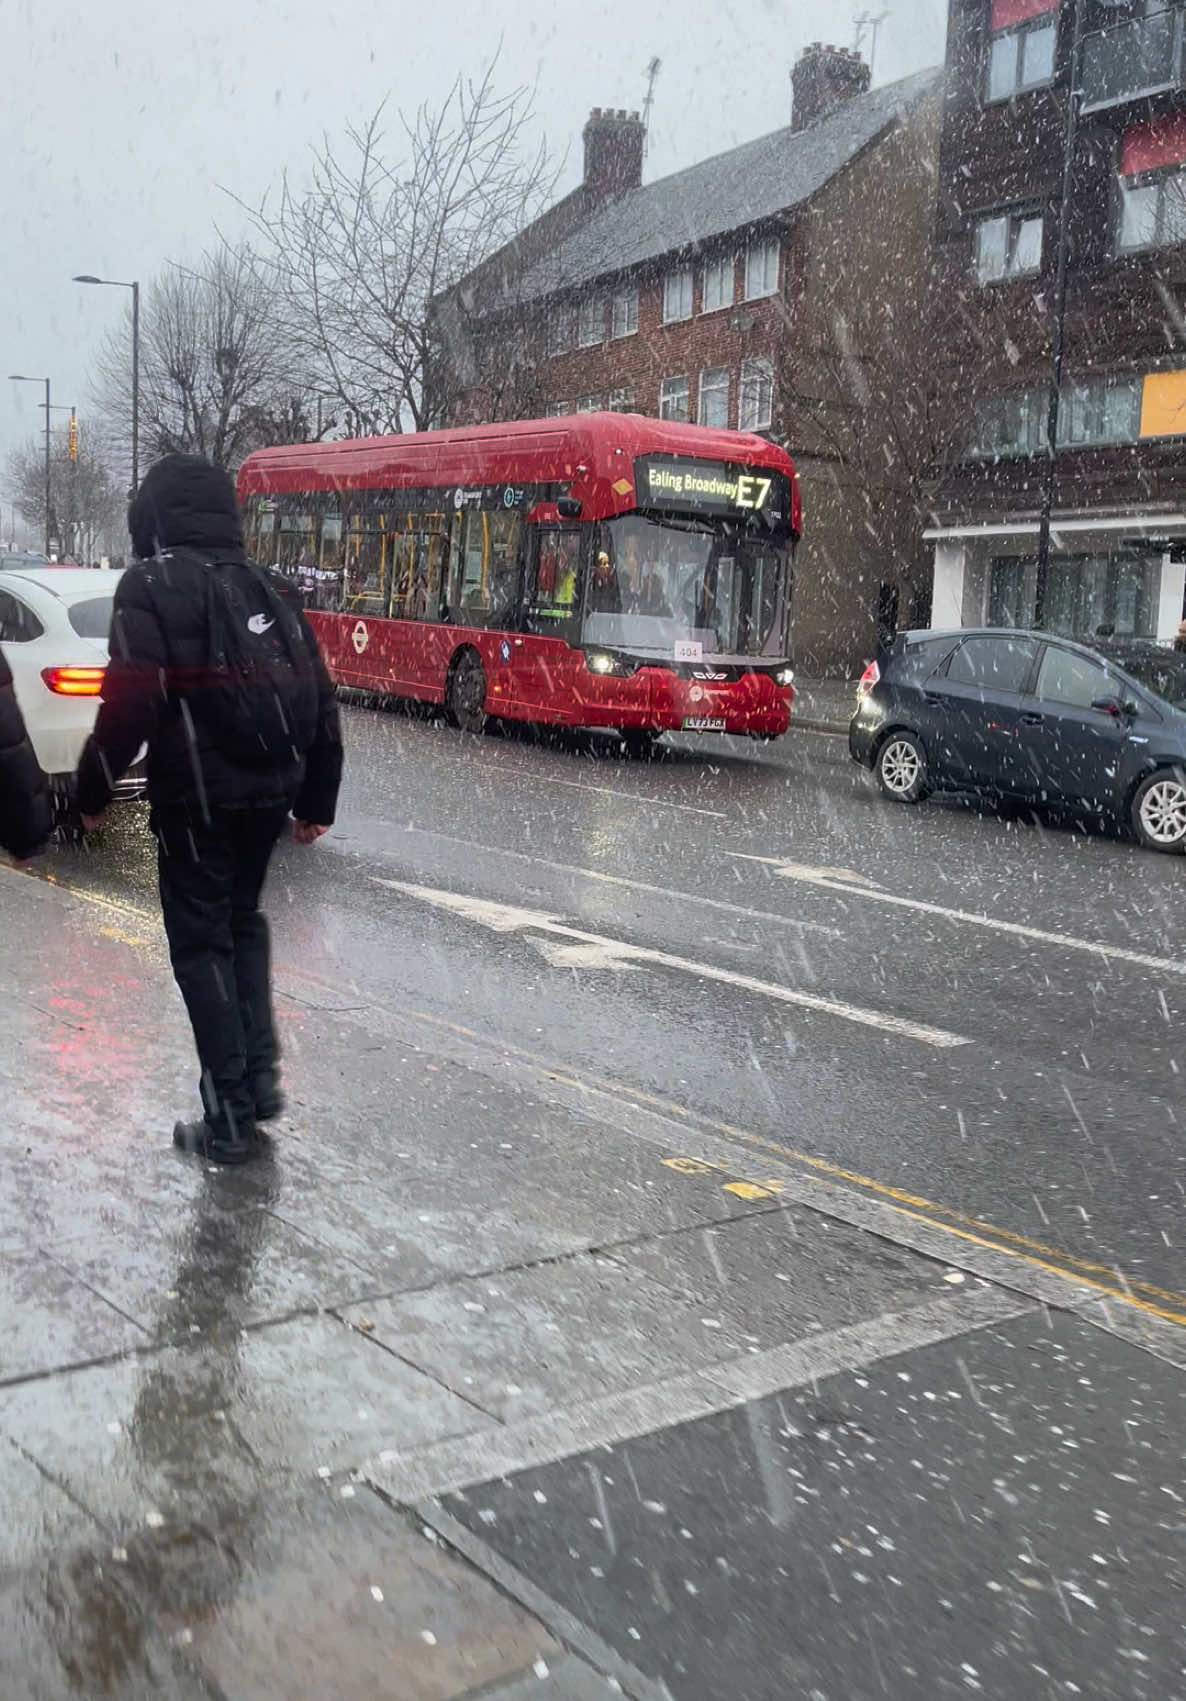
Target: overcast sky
124 121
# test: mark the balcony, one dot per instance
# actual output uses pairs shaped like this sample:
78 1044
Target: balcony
1129 60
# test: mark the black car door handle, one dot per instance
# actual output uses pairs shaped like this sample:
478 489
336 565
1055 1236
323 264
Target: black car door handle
1032 720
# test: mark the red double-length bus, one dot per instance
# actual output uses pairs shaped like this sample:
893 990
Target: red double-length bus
595 570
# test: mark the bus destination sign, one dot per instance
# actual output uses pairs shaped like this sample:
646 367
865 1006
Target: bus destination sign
711 487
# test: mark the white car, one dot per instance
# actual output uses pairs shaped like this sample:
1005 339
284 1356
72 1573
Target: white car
54 623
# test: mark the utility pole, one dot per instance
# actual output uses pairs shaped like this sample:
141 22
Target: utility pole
1058 324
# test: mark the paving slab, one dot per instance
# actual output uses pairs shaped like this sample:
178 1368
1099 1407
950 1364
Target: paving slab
524 1341
316 1597
790 1271
50 1318
179 1432
997 1514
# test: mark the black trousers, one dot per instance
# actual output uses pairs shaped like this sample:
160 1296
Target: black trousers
211 875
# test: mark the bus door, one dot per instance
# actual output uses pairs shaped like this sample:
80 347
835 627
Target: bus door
552 611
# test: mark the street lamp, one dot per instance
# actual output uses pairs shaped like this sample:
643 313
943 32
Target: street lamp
19 378
114 283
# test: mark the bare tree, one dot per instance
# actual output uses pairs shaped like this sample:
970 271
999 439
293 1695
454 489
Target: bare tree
362 252
217 376
87 508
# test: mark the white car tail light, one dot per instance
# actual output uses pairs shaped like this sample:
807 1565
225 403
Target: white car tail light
74 681
868 680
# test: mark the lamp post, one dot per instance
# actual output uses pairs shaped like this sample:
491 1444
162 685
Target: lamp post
20 378
115 283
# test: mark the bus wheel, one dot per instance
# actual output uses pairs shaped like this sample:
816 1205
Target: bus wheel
466 696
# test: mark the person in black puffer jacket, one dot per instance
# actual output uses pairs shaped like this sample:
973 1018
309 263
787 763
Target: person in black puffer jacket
25 814
218 807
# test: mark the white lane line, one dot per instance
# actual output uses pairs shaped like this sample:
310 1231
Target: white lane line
508 918
630 796
842 881
629 885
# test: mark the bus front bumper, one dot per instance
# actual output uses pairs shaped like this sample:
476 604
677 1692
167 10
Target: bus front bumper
658 700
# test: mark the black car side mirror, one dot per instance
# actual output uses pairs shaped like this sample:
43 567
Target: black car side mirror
1113 706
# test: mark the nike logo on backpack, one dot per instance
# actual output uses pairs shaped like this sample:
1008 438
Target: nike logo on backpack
259 623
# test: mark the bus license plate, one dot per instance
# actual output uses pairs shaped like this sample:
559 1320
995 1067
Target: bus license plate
704 723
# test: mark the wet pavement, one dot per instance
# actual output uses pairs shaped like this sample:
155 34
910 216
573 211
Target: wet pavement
584 1188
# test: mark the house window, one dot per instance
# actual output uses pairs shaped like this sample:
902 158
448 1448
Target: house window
757 394
559 330
1152 211
714 398
1010 425
1008 246
718 284
557 410
761 269
677 295
625 316
588 404
1021 59
591 322
622 401
673 398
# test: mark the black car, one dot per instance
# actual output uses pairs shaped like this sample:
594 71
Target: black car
1099 725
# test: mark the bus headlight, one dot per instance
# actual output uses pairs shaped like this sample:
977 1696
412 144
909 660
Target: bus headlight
784 676
603 662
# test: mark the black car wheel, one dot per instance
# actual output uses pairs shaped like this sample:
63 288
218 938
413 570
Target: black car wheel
901 768
466 696
1159 811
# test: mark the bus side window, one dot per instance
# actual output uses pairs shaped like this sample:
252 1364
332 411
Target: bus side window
485 588
553 603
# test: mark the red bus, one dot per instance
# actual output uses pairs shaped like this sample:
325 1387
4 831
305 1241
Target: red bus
595 570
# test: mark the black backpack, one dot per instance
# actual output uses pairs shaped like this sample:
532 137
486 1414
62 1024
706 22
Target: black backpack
259 700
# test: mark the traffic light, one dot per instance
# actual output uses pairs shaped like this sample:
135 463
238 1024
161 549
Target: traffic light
72 438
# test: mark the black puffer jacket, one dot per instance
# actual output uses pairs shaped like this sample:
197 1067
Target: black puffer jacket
25 818
185 518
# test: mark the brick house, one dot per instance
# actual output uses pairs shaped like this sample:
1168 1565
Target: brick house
728 295
1119 493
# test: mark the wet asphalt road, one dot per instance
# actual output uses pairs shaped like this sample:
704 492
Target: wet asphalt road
1058 1118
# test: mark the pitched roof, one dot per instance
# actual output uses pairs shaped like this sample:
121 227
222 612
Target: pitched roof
750 183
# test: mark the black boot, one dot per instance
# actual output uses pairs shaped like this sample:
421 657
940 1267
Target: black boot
269 1100
216 1145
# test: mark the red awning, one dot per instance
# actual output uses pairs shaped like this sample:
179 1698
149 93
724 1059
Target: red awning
1006 13
1161 142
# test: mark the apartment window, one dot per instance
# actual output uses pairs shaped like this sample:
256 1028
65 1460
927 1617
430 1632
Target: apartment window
714 398
761 269
559 330
1008 246
1021 59
1152 212
625 314
591 322
677 295
557 410
622 401
718 284
757 394
674 398
1100 410
588 404
1010 425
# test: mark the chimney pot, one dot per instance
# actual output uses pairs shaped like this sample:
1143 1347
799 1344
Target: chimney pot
613 151
823 79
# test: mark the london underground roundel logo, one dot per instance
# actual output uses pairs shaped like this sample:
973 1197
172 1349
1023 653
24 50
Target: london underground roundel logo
360 637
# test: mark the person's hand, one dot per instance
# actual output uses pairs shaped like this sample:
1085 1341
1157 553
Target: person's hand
306 833
93 823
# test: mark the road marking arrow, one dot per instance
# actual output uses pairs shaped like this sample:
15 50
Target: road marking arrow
857 886
509 918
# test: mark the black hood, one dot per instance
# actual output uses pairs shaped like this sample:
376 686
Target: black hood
185 502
